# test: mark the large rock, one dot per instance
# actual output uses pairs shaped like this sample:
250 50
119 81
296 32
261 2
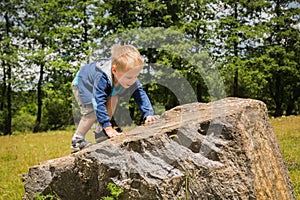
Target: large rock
220 150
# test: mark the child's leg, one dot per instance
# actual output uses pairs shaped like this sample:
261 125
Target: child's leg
88 116
85 124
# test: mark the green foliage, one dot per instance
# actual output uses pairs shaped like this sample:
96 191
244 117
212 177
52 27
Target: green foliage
22 122
57 109
40 196
114 191
254 45
30 108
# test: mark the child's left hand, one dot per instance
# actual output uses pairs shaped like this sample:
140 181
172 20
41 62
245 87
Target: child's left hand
151 119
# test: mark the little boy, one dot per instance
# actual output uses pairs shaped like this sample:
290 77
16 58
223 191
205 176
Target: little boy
97 86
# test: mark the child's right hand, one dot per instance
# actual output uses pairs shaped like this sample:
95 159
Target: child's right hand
110 132
150 119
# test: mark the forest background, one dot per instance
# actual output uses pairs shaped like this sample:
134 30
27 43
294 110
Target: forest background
253 44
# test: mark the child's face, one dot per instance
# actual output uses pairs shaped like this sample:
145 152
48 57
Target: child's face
125 78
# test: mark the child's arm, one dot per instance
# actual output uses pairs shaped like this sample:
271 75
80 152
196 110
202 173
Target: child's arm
143 102
101 91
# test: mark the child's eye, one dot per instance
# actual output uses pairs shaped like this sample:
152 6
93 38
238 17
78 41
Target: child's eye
130 78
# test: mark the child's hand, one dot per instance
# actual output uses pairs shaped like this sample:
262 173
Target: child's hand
110 132
151 119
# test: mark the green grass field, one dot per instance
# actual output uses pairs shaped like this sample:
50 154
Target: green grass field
18 153
287 130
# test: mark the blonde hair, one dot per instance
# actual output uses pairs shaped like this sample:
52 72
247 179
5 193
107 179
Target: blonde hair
126 57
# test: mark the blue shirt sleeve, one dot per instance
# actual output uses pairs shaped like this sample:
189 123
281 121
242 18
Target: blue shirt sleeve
101 92
142 100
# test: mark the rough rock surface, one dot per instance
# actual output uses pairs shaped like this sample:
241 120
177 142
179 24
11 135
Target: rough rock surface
220 150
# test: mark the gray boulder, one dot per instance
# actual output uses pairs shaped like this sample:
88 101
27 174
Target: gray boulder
220 150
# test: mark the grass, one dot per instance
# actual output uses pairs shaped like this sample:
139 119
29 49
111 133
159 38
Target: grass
287 130
18 153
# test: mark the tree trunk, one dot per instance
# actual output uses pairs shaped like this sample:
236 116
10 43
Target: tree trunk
3 89
278 110
199 93
278 96
235 46
7 90
40 101
236 84
9 112
290 107
9 71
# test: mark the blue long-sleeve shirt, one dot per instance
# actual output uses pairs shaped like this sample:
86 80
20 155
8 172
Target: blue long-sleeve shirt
94 81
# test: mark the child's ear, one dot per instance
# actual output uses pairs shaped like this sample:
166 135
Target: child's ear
113 69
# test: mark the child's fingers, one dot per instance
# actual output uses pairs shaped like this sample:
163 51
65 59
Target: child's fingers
112 133
156 117
151 118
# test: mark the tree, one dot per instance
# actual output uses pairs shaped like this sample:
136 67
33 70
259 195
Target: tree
197 22
236 35
282 48
8 48
53 44
38 22
255 44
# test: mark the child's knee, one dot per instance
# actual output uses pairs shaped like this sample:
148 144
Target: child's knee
88 111
90 116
